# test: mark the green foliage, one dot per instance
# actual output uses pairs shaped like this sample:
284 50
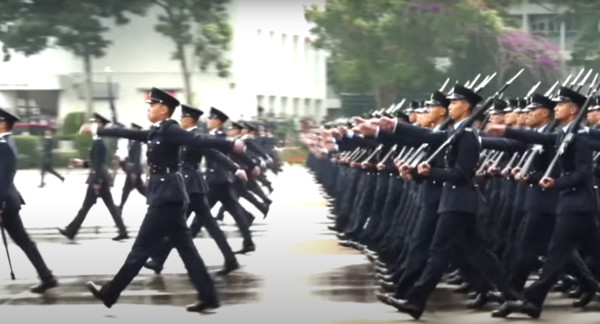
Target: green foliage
76 26
72 123
203 26
393 47
29 151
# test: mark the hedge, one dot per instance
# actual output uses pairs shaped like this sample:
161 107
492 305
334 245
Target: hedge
29 148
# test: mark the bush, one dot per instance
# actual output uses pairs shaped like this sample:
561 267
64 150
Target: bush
61 159
29 150
72 123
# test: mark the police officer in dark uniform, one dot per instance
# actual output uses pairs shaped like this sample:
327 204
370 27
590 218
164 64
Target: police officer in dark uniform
167 201
133 169
11 201
98 186
576 222
48 144
457 230
220 183
197 188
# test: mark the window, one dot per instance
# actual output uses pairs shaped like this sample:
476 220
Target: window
296 107
271 104
284 105
307 107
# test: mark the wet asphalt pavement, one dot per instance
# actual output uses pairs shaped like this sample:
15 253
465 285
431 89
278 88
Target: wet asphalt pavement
299 274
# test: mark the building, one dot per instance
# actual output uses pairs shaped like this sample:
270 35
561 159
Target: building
547 19
275 67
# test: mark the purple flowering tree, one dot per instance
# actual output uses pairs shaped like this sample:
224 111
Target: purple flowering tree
517 48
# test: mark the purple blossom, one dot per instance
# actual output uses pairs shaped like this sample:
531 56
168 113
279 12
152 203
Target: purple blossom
531 50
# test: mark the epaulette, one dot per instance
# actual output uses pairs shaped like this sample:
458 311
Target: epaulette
468 129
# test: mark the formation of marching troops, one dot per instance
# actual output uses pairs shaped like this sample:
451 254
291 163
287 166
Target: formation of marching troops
175 187
483 194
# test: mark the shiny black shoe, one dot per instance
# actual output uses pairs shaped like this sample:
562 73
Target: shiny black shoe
519 306
201 306
479 302
97 292
246 248
382 270
380 264
496 297
503 311
584 299
229 267
121 236
472 295
342 236
387 286
332 228
345 243
44 285
455 280
65 233
462 289
383 297
576 293
567 282
406 307
152 265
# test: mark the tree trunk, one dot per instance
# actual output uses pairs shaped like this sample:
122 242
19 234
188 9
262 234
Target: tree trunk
187 82
89 102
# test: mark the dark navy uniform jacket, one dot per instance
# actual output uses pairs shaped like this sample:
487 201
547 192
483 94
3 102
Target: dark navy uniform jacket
99 174
10 198
166 184
574 185
191 157
537 199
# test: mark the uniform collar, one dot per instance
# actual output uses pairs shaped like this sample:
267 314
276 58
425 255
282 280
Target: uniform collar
213 131
192 128
460 122
157 124
542 129
5 134
566 128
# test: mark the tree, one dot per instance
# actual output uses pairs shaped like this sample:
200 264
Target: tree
200 27
581 18
31 26
391 47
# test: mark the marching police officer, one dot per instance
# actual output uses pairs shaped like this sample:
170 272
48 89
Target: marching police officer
197 188
98 183
47 158
167 201
11 201
133 169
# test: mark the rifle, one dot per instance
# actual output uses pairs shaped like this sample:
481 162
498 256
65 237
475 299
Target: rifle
570 136
387 156
375 151
510 163
486 162
473 116
402 156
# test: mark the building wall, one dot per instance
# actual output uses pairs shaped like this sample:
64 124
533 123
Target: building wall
274 65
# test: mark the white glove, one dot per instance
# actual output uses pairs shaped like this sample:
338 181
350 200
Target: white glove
241 174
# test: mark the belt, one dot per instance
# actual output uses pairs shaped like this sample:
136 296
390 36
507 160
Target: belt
190 167
154 170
